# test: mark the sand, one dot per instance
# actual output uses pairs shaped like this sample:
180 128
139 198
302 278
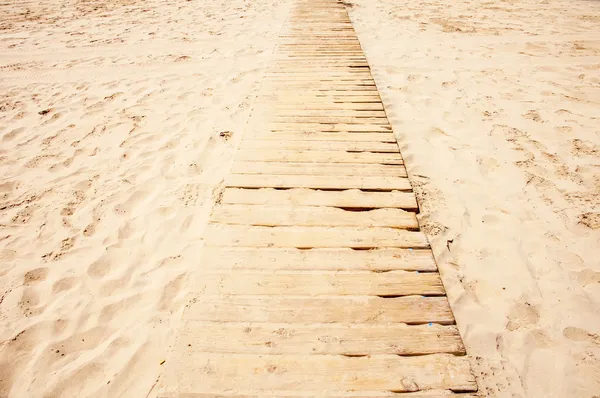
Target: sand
119 120
496 106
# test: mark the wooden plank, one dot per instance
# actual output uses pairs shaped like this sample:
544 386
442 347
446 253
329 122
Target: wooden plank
321 283
375 183
329 115
326 127
318 96
289 47
365 146
321 75
321 136
358 85
269 215
319 339
320 394
376 260
322 63
364 121
310 100
325 69
316 81
326 88
319 56
413 310
320 105
313 237
346 72
272 155
330 169
352 198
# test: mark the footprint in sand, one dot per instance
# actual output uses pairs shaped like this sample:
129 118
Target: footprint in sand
578 334
522 315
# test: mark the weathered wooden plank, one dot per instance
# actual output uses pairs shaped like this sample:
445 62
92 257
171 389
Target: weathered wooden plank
376 260
321 77
273 155
366 146
321 309
352 120
328 115
241 372
270 215
320 394
331 169
316 105
307 69
290 85
322 136
326 127
375 183
301 99
319 339
319 283
352 198
313 237
323 59
347 51
328 88
318 95
322 102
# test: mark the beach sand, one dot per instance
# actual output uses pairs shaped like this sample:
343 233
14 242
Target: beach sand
119 120
496 107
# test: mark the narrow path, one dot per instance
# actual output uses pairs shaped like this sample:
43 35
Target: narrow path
315 279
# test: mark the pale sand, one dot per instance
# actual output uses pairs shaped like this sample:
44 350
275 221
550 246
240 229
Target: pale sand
496 106
105 196
106 193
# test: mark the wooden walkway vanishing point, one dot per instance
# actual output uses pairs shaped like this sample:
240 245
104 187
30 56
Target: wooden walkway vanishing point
315 279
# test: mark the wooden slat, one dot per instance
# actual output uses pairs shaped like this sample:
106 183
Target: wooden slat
273 155
320 85
325 98
230 372
308 63
331 169
377 260
321 309
326 127
320 136
353 198
313 237
285 101
336 115
283 106
319 283
375 183
373 146
320 394
319 339
344 95
363 121
269 215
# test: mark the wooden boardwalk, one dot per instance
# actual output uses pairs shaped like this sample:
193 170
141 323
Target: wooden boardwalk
315 279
